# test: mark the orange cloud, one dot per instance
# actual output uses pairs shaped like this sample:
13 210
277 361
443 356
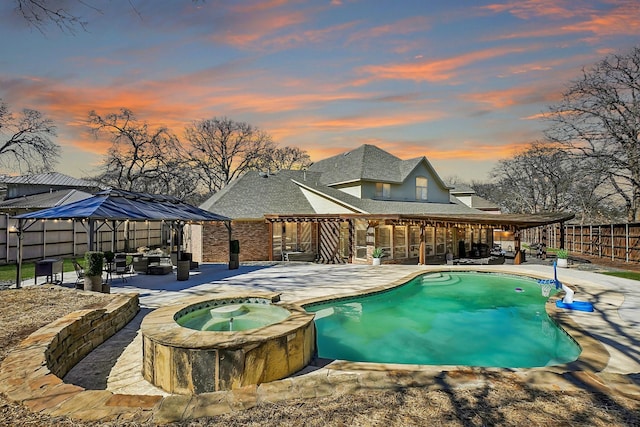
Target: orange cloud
404 26
499 99
436 70
527 9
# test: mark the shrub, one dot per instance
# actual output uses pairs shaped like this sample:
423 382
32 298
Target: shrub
93 262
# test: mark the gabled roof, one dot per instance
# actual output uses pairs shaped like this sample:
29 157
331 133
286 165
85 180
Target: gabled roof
255 194
389 206
44 200
368 163
49 178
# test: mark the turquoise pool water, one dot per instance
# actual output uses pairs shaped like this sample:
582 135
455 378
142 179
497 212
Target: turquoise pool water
233 317
461 318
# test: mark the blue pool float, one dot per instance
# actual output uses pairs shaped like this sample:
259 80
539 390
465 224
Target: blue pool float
575 305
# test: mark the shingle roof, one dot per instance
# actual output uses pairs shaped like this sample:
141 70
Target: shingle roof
367 163
255 194
390 206
49 178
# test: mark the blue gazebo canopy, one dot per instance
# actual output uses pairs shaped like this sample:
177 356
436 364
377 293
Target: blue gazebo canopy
120 205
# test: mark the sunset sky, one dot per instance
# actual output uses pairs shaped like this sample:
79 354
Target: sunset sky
463 83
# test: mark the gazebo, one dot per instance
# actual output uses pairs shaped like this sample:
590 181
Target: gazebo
117 206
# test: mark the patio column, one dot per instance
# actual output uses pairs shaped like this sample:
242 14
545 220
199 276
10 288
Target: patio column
421 257
517 259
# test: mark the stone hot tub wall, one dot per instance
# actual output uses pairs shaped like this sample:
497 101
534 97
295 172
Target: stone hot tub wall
185 361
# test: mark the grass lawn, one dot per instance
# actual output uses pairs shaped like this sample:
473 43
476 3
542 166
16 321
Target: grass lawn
8 271
633 275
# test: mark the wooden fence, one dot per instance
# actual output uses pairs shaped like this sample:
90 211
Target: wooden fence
67 238
617 242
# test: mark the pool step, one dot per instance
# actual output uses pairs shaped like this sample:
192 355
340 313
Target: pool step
440 279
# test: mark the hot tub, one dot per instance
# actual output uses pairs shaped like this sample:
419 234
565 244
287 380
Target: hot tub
236 352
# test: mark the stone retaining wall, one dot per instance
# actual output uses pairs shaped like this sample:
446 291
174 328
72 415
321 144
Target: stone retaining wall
83 330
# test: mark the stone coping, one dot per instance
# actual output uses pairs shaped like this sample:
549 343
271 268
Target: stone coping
161 327
26 378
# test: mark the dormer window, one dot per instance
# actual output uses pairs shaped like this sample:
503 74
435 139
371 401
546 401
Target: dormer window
383 190
421 188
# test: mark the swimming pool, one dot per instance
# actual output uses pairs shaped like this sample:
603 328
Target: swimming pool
448 318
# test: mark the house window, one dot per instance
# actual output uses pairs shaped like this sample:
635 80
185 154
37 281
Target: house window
277 240
361 238
414 241
421 188
305 237
290 236
383 239
400 241
383 190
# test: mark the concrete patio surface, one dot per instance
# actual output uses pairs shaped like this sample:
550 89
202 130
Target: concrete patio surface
116 365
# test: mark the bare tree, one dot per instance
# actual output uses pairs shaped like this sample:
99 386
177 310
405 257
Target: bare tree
223 149
599 119
286 158
535 180
25 141
39 13
143 159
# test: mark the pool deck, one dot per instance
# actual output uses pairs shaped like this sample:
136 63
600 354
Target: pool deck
116 365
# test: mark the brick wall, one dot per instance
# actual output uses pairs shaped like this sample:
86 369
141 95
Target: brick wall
253 237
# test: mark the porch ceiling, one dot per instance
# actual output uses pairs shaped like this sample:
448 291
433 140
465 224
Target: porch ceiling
505 221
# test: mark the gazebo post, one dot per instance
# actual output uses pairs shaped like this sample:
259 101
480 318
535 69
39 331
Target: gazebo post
92 231
19 257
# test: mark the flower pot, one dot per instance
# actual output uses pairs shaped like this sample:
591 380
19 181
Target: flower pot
376 261
93 283
562 263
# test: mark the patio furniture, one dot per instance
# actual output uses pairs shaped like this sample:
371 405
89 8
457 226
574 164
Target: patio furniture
160 269
140 264
80 275
49 267
122 268
300 256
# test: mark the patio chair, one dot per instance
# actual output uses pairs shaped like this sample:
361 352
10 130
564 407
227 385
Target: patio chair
122 268
79 274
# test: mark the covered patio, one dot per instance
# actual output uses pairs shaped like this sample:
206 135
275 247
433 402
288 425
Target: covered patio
114 208
421 239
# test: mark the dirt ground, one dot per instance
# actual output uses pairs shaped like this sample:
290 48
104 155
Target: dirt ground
507 402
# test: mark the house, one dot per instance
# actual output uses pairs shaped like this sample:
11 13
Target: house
344 206
468 196
40 191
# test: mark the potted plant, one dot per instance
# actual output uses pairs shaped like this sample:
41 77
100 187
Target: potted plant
562 256
94 264
377 255
109 256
